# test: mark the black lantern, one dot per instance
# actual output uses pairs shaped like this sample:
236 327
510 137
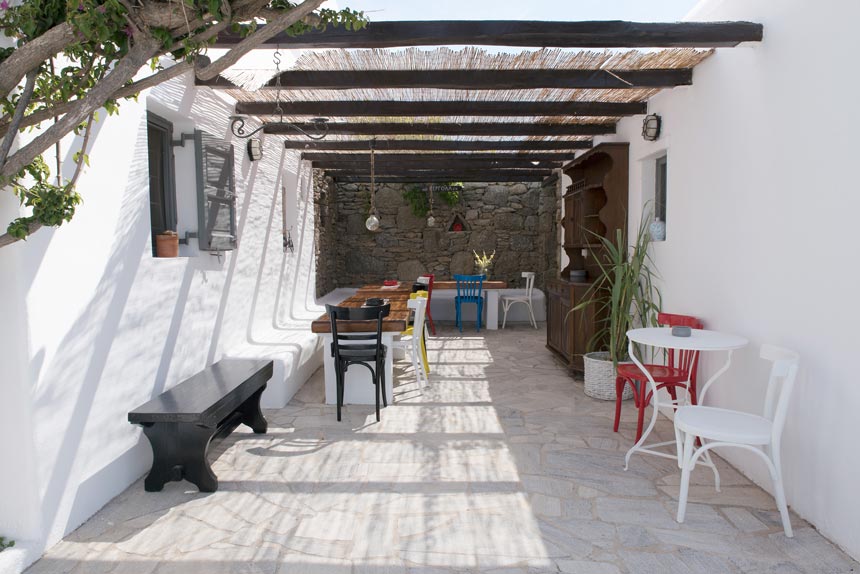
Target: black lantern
651 127
255 149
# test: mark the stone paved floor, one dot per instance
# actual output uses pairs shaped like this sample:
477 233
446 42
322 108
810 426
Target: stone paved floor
503 465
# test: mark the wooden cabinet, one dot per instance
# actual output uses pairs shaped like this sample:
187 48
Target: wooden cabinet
595 205
568 330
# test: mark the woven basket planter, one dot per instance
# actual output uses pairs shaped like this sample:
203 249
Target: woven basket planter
600 378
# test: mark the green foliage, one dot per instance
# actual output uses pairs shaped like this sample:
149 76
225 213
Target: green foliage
417 200
451 196
4 544
624 294
103 30
51 204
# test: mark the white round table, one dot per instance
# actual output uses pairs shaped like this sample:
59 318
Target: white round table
662 337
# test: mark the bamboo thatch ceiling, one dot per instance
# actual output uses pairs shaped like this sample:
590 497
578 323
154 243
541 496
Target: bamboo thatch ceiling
471 102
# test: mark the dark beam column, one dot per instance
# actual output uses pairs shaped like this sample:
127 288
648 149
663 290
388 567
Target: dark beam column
472 79
443 178
442 145
594 34
400 157
453 129
441 108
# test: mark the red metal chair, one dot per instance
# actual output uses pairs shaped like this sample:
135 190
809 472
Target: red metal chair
427 279
670 376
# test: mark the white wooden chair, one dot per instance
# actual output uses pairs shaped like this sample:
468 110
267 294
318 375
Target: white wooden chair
523 296
758 434
410 340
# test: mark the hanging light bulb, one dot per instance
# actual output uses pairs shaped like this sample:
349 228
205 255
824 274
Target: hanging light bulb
372 222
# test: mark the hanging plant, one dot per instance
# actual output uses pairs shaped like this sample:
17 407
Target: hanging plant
451 196
417 200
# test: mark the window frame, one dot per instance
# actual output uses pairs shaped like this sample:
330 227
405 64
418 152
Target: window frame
168 183
661 176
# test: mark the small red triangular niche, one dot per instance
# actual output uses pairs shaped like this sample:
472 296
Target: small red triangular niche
457 224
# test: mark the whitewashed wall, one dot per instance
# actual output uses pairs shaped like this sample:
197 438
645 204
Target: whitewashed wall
763 202
93 325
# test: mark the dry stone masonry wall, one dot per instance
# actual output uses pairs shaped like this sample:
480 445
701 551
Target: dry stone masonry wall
517 220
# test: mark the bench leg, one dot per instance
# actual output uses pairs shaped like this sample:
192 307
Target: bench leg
179 451
252 415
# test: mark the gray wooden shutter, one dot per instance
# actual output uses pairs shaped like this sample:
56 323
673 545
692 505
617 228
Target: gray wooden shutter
216 193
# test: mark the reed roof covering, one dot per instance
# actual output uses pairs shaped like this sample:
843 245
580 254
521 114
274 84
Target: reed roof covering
256 85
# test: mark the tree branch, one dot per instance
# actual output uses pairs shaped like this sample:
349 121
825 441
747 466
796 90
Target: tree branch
23 102
143 49
272 28
7 239
124 92
31 55
81 154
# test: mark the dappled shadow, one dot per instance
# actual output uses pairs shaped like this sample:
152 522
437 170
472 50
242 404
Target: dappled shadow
501 464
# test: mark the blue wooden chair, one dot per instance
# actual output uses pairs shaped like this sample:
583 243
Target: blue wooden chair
470 289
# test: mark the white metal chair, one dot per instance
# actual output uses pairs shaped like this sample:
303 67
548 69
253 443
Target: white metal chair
758 434
410 340
520 296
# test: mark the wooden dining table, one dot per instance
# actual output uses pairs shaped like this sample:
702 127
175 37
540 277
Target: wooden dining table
397 318
359 388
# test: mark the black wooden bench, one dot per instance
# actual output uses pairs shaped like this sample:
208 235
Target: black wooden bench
181 423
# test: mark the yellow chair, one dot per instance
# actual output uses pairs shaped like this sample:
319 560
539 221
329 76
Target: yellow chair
424 295
411 342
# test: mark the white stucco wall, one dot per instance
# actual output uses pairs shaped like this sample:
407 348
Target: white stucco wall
762 209
93 325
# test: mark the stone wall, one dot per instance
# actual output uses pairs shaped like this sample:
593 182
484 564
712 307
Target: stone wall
325 233
517 220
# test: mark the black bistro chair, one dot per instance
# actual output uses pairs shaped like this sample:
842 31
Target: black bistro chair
348 349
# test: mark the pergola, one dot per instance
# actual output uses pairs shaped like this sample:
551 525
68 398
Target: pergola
469 114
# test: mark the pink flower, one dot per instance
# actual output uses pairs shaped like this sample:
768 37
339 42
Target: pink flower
4 5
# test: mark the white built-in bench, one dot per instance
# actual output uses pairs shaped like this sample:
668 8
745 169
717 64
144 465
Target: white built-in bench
442 306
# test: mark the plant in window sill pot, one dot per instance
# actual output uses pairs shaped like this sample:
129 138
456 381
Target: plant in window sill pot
167 244
624 297
483 262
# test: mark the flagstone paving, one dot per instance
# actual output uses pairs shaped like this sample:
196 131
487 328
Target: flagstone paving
502 465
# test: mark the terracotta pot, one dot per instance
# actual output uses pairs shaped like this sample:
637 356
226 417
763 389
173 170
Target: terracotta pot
167 244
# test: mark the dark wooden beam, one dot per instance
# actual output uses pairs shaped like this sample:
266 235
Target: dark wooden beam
595 34
471 79
451 129
400 157
441 145
441 108
436 164
453 173
435 178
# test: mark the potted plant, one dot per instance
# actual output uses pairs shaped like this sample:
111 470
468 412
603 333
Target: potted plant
483 262
624 297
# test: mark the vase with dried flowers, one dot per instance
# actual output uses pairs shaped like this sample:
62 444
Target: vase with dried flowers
483 262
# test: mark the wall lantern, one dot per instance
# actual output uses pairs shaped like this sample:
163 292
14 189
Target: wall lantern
255 149
651 127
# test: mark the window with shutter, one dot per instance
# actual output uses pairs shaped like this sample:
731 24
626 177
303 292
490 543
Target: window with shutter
216 193
162 184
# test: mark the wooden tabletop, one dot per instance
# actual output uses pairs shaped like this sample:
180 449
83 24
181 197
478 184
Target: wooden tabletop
395 322
398 296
